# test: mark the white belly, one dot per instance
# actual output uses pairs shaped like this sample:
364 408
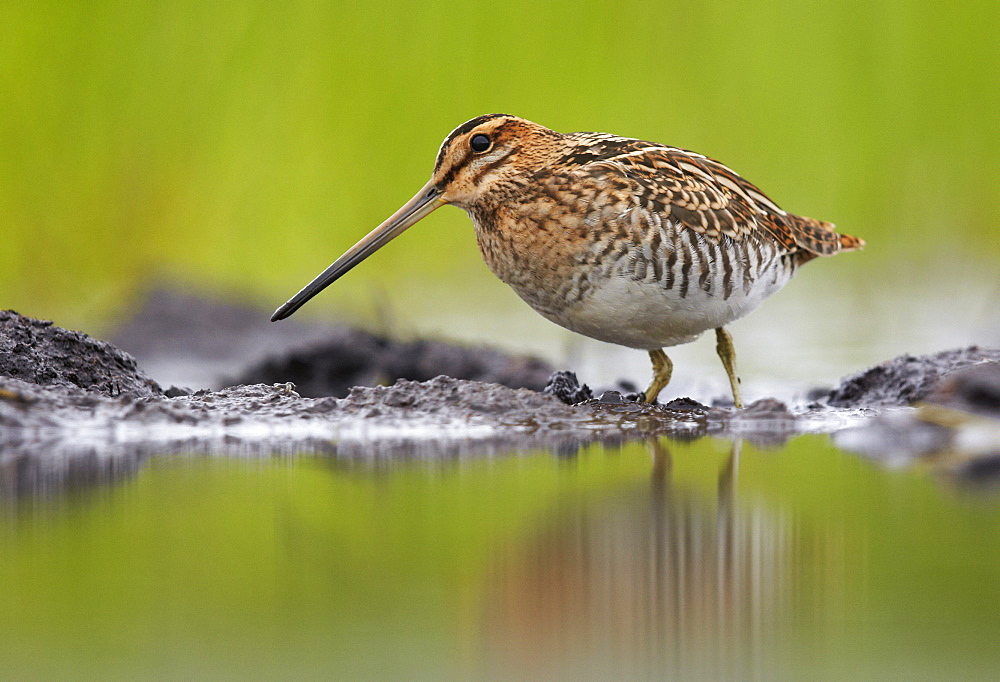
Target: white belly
644 315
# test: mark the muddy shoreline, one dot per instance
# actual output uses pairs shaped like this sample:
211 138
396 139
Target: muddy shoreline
70 403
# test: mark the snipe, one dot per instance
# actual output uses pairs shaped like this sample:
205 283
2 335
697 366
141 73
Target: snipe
622 240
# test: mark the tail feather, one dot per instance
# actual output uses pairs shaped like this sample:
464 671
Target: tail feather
820 238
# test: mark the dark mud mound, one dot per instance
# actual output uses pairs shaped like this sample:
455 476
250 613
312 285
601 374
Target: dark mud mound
906 379
351 357
184 338
975 390
187 339
957 423
38 352
565 386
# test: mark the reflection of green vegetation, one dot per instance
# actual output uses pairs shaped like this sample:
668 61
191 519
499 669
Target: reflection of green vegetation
247 144
276 567
269 564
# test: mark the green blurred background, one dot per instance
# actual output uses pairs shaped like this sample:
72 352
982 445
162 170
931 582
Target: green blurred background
241 147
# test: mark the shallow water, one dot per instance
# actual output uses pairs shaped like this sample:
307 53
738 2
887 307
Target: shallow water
707 557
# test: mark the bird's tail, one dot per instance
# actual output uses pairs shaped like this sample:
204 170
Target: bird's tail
820 238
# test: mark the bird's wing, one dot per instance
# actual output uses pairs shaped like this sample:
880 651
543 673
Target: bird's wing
705 196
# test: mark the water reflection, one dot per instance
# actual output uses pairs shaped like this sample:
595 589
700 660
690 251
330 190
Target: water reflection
667 580
697 559
37 468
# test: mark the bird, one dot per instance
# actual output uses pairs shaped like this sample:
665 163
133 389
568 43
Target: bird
626 241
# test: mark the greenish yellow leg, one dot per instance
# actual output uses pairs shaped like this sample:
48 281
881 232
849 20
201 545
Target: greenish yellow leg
662 369
727 354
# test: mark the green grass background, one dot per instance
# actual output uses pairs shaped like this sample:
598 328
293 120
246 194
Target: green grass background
243 146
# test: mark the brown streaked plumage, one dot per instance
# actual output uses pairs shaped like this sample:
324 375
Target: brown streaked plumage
626 241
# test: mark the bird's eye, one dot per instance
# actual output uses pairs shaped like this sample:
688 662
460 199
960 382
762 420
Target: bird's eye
479 143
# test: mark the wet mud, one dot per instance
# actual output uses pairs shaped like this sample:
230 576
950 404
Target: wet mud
955 425
70 403
906 379
352 357
38 352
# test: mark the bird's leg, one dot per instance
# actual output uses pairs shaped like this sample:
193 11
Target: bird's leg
662 369
727 354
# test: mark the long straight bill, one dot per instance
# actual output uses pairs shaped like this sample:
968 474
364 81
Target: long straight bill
427 200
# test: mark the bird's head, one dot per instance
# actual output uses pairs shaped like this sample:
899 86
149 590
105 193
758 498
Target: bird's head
482 161
490 157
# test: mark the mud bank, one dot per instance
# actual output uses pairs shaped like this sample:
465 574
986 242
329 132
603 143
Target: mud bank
955 426
68 400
